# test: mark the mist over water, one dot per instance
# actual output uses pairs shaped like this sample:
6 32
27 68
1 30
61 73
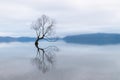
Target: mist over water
61 61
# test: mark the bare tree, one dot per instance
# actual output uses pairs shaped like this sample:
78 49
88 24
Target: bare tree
43 27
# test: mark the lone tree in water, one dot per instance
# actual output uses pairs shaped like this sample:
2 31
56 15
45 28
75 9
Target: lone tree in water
43 27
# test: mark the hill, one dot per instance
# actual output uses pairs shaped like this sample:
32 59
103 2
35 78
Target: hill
16 39
94 39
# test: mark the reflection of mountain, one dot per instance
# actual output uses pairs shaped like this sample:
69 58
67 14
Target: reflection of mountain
16 39
94 39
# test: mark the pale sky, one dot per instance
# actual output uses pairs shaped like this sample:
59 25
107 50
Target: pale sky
71 16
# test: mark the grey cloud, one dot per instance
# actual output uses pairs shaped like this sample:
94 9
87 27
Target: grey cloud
69 15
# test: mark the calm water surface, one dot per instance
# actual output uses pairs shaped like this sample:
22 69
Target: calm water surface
59 61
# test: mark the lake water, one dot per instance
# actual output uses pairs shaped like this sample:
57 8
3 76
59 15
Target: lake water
59 61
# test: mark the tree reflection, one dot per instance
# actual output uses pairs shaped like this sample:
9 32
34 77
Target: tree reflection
45 58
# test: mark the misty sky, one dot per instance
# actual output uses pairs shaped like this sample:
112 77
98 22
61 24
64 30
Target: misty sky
72 16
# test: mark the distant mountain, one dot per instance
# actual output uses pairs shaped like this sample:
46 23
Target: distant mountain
21 39
16 39
94 39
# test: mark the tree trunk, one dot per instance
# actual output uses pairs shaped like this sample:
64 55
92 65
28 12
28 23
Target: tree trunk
37 40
